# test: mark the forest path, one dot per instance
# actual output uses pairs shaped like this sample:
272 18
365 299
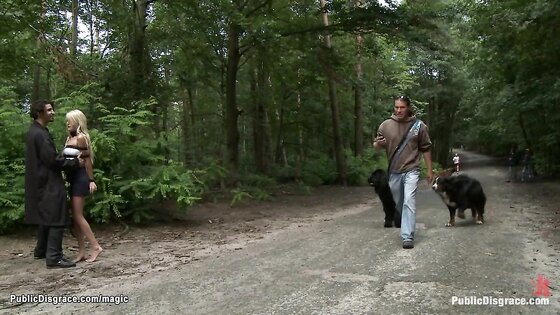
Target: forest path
322 254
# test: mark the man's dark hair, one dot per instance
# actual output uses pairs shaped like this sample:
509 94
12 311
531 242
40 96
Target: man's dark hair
38 107
403 98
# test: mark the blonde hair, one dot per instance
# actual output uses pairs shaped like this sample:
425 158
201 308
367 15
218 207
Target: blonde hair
76 117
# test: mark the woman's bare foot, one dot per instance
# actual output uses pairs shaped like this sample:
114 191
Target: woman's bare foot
94 253
80 257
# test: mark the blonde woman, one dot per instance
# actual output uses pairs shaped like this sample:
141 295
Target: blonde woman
81 181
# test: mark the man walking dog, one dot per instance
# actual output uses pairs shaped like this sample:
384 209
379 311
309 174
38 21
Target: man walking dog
405 140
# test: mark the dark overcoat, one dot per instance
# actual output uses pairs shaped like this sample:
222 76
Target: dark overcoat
45 193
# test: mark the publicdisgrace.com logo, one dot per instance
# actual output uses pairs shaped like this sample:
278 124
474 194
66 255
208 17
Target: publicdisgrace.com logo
498 301
66 299
540 296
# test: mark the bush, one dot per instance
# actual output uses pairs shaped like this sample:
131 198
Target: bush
124 141
318 170
14 123
359 168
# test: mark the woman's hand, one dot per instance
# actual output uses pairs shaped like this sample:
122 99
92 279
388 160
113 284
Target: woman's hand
92 187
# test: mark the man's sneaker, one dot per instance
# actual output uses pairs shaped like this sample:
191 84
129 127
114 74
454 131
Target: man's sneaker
408 244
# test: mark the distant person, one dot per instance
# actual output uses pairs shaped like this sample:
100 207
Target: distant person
45 194
405 140
527 173
513 161
81 182
456 161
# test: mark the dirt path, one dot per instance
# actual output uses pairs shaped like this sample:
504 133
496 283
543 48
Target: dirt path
217 248
207 230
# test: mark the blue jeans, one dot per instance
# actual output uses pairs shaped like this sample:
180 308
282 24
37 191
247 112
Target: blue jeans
527 174
403 187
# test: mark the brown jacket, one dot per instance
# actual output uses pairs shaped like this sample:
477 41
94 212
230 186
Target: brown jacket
394 130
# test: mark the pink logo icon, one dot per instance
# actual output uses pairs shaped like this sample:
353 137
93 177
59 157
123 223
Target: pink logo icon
542 286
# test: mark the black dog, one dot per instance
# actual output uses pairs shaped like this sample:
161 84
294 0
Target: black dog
460 193
380 182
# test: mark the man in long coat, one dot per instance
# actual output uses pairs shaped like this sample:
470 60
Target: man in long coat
45 193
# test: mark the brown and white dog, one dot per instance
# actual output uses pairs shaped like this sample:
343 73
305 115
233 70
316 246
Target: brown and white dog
461 192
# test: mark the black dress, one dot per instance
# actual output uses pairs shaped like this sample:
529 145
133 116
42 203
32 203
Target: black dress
78 179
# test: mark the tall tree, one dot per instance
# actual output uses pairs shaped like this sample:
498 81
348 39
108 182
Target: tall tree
139 56
232 112
335 112
358 91
74 29
40 86
260 77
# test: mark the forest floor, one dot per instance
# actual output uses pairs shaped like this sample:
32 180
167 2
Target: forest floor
211 229
204 230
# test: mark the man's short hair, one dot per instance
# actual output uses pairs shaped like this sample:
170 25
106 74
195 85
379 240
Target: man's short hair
38 107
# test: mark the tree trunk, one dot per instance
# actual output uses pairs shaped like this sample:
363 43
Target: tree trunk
91 27
38 89
300 153
259 88
358 89
524 131
337 134
138 68
36 92
74 41
279 135
232 113
358 104
188 130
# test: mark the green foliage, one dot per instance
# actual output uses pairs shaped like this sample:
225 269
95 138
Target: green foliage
238 195
248 192
319 169
130 172
133 171
13 123
482 73
261 195
213 173
283 173
11 193
361 167
512 70
256 180
303 189
253 186
106 204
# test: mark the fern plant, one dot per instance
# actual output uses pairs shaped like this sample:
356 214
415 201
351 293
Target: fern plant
14 124
238 195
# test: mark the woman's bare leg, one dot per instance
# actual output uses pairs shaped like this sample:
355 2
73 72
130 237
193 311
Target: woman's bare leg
77 212
85 228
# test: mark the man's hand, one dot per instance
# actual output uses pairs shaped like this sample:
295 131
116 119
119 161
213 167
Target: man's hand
379 142
430 177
